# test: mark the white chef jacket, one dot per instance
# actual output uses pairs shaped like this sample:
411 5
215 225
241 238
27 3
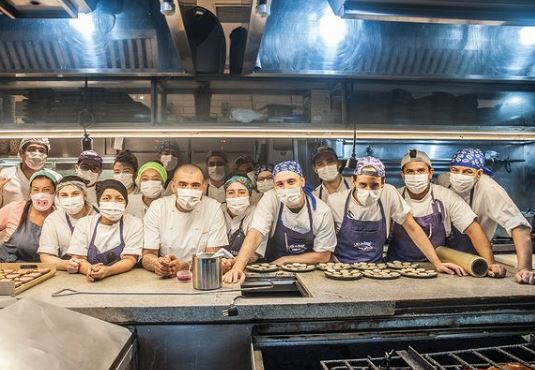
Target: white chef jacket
234 223
56 233
456 211
394 207
491 204
322 192
136 206
267 211
107 236
217 193
19 186
92 195
184 234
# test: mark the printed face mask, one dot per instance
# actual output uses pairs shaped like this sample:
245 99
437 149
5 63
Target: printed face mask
35 160
188 198
113 211
417 184
42 201
290 197
238 206
461 183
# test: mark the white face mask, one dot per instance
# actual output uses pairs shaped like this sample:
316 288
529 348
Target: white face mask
168 161
368 197
216 173
290 197
88 175
328 173
127 179
417 184
42 201
238 206
151 188
113 211
265 185
188 198
461 183
72 205
35 160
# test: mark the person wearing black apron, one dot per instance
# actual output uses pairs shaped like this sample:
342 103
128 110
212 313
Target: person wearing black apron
23 243
72 202
327 167
117 250
299 227
364 213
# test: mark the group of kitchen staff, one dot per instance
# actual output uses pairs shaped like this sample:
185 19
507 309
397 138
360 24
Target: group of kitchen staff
162 213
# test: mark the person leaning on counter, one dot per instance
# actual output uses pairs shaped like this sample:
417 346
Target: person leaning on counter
239 212
72 202
14 181
435 209
89 168
151 178
108 243
183 224
363 217
21 220
300 227
327 167
493 207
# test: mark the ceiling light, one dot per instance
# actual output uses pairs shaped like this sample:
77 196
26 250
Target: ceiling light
332 29
83 24
526 36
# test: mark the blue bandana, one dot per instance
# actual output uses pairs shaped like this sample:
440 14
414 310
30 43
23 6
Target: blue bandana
264 167
469 157
288 166
364 162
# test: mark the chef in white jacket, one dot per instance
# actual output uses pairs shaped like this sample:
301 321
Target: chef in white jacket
183 224
15 181
299 226
492 205
216 168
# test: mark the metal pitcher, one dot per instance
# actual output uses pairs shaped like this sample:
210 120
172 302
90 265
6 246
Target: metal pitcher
206 271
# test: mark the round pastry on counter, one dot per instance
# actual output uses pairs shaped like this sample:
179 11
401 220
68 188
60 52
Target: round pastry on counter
298 267
419 273
382 274
343 274
368 265
333 266
398 265
262 267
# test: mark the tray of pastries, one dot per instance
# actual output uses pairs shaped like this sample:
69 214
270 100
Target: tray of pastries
351 274
398 265
262 267
368 265
419 273
333 266
18 277
298 267
381 274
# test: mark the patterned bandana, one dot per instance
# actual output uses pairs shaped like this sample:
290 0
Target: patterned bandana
288 166
469 157
35 140
264 167
90 155
242 180
364 162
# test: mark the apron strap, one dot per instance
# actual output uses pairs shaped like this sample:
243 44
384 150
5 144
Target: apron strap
69 222
92 242
346 184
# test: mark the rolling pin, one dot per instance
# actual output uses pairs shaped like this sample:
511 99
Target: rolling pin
475 265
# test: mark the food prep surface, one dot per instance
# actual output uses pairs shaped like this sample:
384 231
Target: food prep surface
329 299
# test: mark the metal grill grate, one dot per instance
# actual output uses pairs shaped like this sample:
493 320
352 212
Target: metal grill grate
523 355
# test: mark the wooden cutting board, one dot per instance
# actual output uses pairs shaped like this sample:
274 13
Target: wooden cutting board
509 259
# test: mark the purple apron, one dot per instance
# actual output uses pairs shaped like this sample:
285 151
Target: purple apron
459 241
401 246
360 241
110 257
345 183
286 242
236 240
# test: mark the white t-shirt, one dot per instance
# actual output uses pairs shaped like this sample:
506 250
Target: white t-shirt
56 233
267 210
107 236
184 234
19 186
395 208
92 195
234 223
491 204
217 193
136 206
346 183
456 211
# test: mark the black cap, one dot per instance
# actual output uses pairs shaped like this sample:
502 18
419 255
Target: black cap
216 153
324 150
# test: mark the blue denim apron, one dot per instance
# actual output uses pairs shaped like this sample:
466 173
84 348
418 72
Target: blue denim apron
107 258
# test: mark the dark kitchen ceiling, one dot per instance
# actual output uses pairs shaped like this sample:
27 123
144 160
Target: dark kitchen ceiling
306 37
